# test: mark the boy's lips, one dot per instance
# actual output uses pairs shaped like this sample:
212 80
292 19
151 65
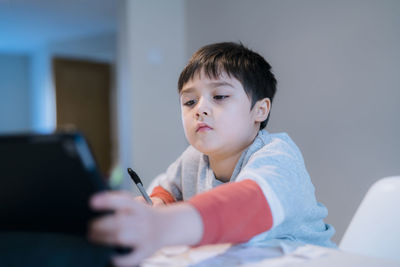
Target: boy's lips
202 127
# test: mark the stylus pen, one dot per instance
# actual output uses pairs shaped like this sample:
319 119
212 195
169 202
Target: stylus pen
139 184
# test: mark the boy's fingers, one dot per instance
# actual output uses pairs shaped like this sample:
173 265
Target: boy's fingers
110 230
141 199
112 201
101 230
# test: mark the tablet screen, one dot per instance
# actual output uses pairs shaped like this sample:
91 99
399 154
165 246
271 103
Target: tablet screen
46 182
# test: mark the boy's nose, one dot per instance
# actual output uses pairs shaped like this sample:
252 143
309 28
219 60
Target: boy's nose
202 108
204 113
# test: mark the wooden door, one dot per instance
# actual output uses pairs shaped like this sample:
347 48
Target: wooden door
83 103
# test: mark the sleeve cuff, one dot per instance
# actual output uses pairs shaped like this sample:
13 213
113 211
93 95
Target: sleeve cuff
163 194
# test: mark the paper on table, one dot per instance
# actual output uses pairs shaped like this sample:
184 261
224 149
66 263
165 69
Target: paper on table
276 254
183 255
311 252
316 256
246 253
221 255
300 255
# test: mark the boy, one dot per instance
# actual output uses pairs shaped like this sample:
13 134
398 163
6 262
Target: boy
235 183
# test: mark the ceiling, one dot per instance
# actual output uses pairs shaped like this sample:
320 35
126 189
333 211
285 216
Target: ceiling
26 25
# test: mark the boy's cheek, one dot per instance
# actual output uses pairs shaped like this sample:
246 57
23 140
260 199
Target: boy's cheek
187 125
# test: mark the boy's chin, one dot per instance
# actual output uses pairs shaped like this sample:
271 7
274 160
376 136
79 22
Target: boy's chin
207 150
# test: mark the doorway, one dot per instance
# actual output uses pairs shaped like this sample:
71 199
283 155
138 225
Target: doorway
83 93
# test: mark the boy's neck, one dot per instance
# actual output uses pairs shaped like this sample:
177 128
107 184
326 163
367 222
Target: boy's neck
223 167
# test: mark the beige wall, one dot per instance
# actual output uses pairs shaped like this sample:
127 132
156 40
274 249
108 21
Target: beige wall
151 46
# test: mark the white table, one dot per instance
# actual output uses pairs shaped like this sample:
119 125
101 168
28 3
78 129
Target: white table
281 255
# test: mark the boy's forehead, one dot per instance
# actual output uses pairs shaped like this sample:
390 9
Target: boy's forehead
223 78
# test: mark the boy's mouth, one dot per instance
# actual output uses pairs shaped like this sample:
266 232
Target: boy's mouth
203 127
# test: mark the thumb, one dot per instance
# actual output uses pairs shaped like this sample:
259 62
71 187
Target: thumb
141 199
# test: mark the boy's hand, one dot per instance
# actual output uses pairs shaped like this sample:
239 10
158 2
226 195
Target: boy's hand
132 224
141 227
156 201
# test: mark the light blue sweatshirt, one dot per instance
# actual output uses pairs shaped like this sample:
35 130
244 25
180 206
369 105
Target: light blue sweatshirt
276 164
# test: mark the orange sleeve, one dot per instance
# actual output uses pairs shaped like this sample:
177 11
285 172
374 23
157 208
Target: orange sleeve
165 196
233 212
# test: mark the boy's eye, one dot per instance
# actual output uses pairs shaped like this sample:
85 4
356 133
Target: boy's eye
189 103
220 97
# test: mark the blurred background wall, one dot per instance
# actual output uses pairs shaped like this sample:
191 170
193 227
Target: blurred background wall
14 92
337 65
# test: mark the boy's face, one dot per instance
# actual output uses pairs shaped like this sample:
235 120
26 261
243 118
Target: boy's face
216 115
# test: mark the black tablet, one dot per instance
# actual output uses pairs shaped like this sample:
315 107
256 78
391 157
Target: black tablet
46 182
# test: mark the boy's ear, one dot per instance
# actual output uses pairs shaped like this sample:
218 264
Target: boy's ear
262 108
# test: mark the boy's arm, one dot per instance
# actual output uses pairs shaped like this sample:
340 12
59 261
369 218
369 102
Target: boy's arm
233 212
168 186
141 227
